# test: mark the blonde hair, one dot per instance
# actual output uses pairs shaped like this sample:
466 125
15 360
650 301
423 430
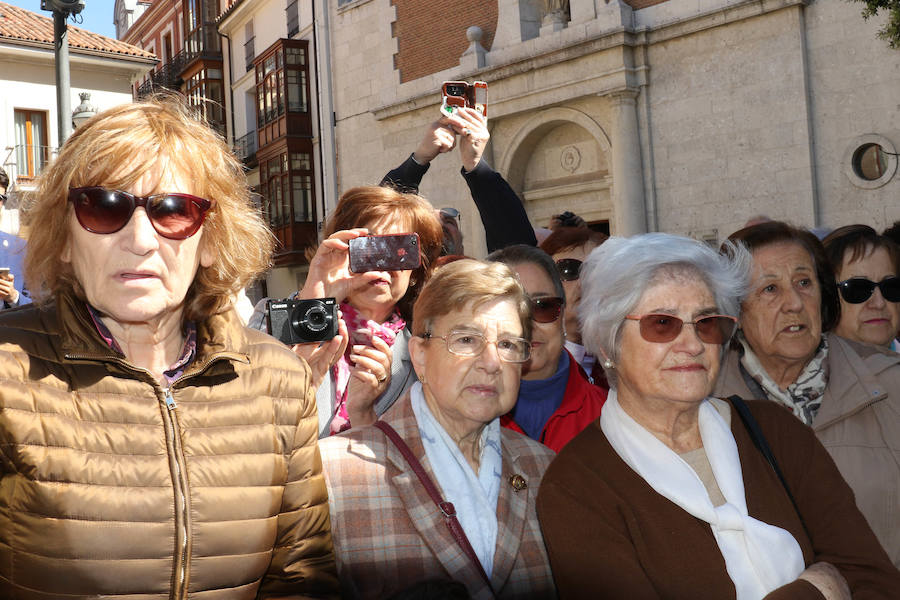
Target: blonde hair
366 205
469 282
115 149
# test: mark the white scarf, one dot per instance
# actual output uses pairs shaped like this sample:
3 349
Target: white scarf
474 496
758 557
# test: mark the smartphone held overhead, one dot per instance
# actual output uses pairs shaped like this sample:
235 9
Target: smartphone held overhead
459 94
391 252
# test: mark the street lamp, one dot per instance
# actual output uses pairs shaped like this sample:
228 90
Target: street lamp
61 10
83 111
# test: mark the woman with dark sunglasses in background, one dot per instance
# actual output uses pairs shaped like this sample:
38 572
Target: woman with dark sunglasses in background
666 495
786 351
866 267
556 399
152 445
569 247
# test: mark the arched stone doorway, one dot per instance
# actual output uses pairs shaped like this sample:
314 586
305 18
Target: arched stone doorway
559 160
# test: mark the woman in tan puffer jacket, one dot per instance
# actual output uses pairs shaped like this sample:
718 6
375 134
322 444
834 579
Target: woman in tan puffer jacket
150 445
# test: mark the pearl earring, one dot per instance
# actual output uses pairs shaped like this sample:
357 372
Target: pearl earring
607 364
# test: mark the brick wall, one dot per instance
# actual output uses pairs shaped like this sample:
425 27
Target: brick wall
429 41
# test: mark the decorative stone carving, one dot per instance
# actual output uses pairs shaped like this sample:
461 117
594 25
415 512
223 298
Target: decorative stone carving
555 15
570 159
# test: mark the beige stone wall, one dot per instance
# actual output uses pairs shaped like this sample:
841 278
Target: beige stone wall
729 125
855 80
743 108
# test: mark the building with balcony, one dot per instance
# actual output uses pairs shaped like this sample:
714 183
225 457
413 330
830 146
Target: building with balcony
126 12
103 67
183 34
682 116
274 122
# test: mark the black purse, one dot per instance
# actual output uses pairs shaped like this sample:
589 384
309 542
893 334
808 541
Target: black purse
759 440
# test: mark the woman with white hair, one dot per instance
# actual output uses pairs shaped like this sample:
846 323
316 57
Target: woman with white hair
750 492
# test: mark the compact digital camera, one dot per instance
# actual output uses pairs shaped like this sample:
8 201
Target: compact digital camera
456 94
302 321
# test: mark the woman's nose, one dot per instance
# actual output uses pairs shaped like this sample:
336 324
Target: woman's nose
139 235
876 300
792 300
490 357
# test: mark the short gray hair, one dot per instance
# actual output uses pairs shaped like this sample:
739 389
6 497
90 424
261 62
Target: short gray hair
616 274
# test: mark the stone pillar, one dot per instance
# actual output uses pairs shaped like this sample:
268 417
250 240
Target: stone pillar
627 171
554 15
475 56
582 11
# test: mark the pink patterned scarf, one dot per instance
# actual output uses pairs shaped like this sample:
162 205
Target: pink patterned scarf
387 331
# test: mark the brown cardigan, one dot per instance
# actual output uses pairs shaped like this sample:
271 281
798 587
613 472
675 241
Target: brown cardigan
610 535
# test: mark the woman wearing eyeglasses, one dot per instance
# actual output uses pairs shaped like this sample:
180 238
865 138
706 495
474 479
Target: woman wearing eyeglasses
786 351
556 399
471 326
569 247
151 445
666 496
866 266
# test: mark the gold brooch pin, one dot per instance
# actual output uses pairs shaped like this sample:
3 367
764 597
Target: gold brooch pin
518 482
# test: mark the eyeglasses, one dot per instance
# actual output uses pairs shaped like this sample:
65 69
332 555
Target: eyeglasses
173 216
546 310
659 328
569 269
472 343
859 289
3 197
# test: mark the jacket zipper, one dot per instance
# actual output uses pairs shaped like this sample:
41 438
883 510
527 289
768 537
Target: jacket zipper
176 460
182 517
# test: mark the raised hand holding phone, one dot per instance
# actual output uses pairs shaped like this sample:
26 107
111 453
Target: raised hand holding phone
390 252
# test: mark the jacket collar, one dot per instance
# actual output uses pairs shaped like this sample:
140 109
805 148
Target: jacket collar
217 337
512 506
853 384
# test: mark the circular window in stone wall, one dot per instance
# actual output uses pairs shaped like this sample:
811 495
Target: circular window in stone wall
870 161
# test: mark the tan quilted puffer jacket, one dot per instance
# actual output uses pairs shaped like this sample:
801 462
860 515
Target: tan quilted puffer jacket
112 485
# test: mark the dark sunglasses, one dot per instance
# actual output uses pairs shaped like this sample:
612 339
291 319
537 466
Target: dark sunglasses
546 310
569 269
859 289
173 216
658 328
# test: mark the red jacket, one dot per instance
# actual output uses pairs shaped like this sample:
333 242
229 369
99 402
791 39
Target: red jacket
579 408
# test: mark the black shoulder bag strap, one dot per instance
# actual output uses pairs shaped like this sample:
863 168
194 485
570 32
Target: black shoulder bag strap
759 440
447 508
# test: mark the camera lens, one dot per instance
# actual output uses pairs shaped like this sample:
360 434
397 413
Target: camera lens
316 318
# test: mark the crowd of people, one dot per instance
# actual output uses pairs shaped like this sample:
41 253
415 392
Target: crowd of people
588 416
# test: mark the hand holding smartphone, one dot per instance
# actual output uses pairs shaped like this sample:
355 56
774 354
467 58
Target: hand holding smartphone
391 252
458 94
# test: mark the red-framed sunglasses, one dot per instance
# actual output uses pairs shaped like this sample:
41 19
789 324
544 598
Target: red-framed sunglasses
173 216
661 328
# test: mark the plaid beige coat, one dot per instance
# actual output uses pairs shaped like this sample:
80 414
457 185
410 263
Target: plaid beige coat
389 535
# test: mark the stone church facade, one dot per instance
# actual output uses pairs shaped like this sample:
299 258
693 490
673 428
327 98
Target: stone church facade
685 116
